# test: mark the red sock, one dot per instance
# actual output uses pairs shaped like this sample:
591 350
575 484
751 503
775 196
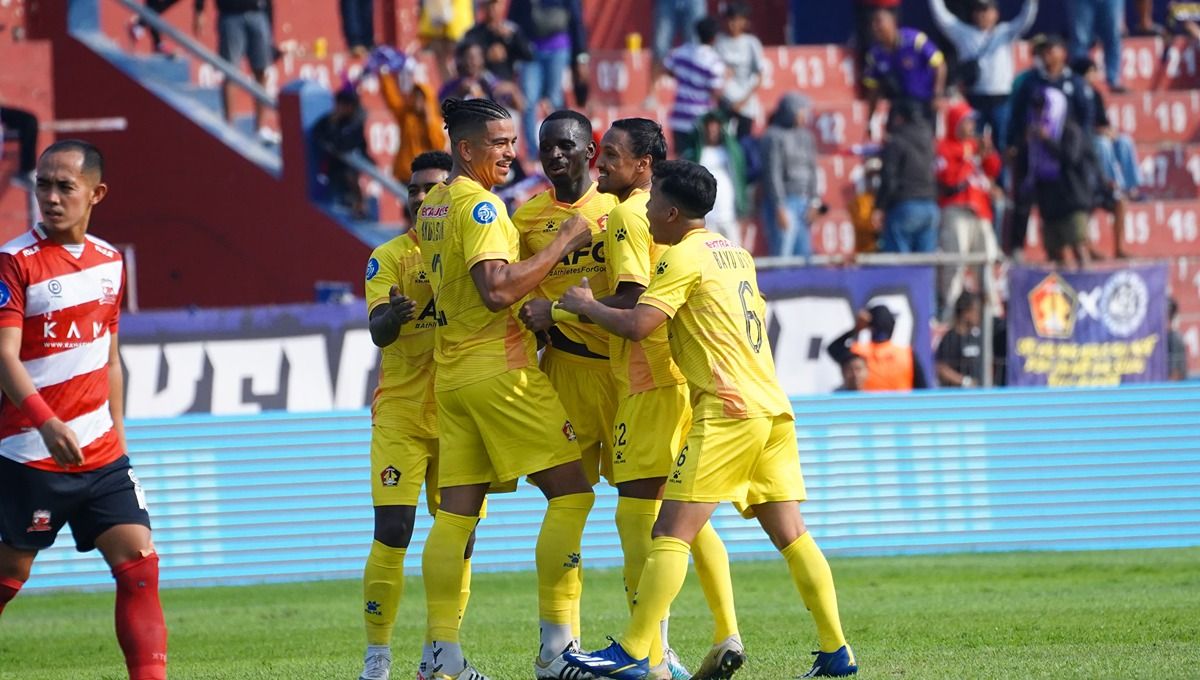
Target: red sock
141 631
9 587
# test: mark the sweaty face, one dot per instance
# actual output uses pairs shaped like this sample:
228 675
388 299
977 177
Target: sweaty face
65 193
420 184
493 153
564 149
616 165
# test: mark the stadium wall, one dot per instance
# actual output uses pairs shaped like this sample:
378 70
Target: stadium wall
279 497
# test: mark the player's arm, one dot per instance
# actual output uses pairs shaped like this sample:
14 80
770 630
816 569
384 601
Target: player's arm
116 390
635 324
501 284
386 318
18 387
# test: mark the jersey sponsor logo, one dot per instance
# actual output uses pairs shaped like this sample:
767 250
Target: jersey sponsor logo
568 431
55 287
40 522
595 251
389 476
484 212
5 294
602 223
108 292
30 252
104 251
372 268
435 210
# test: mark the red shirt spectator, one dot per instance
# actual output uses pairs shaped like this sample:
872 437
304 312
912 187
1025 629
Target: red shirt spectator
965 175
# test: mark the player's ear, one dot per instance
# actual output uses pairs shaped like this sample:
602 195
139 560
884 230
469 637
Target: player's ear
99 192
464 150
591 151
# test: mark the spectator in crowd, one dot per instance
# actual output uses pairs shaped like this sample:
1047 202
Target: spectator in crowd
966 170
959 356
890 367
902 63
25 126
742 53
243 30
985 57
559 39
862 207
675 19
1050 70
1120 178
861 40
358 25
1177 358
720 154
138 27
339 132
442 24
1060 174
473 80
789 181
1183 18
1144 12
504 44
1092 20
699 74
906 203
417 114
854 373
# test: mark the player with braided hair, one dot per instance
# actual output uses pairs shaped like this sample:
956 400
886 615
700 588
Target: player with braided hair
499 418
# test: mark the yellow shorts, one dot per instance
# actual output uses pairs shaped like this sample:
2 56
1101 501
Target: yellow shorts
649 430
745 461
588 392
400 464
462 20
502 428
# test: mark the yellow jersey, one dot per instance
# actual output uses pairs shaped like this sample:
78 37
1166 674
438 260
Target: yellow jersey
630 254
404 398
538 221
461 224
709 288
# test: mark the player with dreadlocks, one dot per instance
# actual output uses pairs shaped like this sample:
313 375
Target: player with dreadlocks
499 418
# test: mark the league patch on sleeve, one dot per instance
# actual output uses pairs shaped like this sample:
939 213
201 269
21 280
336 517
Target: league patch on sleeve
5 294
484 212
372 268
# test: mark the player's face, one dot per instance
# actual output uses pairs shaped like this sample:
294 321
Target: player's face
491 156
65 193
420 184
616 164
564 150
662 215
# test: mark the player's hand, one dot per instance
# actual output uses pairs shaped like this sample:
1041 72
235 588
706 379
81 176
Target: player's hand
402 307
577 298
576 232
535 314
62 443
862 320
783 219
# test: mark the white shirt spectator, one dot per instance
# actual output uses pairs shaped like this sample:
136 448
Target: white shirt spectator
992 49
743 55
723 217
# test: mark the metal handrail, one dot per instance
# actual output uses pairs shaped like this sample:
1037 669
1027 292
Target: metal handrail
231 72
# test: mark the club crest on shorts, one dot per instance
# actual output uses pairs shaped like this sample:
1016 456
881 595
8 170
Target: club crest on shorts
390 476
40 523
569 431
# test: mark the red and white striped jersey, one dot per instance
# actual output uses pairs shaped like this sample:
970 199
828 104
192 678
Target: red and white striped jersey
67 301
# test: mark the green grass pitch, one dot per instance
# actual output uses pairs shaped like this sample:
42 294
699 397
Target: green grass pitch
1129 614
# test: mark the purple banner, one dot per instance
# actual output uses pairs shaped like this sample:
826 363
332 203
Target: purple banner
1093 328
810 307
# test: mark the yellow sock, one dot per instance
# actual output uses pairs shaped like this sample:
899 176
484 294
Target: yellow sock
464 595
666 569
813 578
383 586
576 613
442 567
635 523
712 567
558 558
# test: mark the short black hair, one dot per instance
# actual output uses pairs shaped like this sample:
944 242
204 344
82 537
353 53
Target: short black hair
1172 308
965 302
347 95
463 47
690 186
706 30
467 117
432 160
645 137
737 8
568 114
93 160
